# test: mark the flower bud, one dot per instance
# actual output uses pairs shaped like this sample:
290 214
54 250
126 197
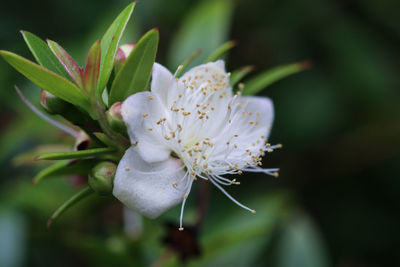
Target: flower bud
52 104
101 177
56 106
114 118
122 54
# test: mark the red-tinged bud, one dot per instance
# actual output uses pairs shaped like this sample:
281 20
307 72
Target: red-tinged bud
114 118
101 177
51 103
122 54
55 105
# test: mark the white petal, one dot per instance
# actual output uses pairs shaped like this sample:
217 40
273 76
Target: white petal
147 188
262 106
163 83
206 72
140 113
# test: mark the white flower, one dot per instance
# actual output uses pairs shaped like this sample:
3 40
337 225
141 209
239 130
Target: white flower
188 128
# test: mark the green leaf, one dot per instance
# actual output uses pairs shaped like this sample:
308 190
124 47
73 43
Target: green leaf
47 80
268 77
64 167
76 154
87 191
205 27
109 46
239 74
135 74
221 50
104 139
91 74
69 64
43 54
187 61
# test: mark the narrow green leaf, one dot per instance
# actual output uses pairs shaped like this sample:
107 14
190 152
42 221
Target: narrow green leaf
104 139
91 74
47 80
87 191
69 64
187 61
239 74
268 77
109 46
204 27
135 74
76 154
221 50
43 55
64 167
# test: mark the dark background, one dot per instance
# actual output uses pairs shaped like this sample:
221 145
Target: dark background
336 202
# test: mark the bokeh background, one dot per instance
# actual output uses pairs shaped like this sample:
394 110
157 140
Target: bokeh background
337 200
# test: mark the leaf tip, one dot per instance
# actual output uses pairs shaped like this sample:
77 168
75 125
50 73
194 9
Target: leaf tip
49 222
37 158
155 29
306 64
22 31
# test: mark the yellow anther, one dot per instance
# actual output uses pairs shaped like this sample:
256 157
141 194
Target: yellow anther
127 169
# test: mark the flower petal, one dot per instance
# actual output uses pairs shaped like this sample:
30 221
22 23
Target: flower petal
212 72
140 113
147 188
263 108
163 83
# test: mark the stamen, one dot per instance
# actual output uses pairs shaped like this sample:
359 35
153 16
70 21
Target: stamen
230 197
183 204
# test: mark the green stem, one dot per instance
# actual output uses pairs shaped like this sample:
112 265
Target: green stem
69 203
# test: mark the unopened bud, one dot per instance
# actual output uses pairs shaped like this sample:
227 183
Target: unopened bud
101 177
114 118
56 106
122 54
52 104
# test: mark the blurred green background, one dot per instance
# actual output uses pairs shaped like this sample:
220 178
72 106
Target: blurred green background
336 202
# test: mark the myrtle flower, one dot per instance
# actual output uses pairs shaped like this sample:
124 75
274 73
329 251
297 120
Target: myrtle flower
186 129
